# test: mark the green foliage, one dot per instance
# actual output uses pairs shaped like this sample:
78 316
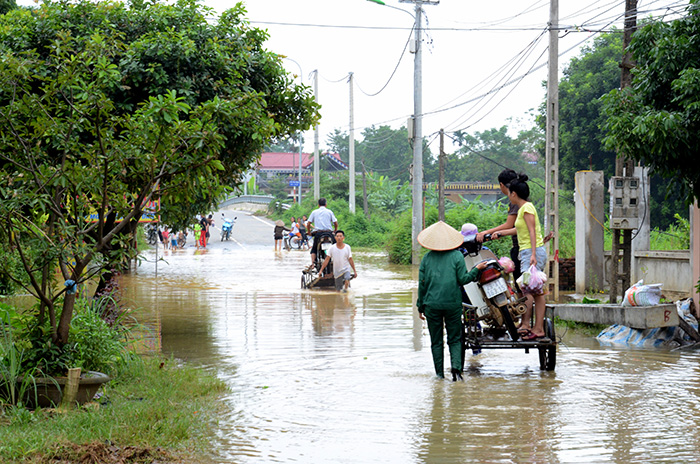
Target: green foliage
7 5
106 107
484 155
656 121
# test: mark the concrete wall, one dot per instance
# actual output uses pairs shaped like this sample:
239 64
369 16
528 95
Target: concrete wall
671 268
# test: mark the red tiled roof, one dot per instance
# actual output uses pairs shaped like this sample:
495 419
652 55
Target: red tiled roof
287 160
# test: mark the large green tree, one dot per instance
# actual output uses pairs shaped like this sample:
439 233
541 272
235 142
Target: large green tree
586 79
656 120
105 107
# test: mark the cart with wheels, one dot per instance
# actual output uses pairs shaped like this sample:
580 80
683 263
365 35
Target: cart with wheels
477 336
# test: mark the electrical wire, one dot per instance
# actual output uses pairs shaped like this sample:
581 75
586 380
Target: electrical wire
403 52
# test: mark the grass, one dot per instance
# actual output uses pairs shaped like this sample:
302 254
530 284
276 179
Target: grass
591 330
157 410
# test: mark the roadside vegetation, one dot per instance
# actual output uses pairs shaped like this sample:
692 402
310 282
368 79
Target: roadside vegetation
154 410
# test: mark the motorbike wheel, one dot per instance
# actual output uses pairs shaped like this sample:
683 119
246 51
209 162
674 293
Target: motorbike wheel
510 325
223 234
548 354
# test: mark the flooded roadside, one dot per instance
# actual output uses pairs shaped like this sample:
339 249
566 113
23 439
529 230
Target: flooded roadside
318 376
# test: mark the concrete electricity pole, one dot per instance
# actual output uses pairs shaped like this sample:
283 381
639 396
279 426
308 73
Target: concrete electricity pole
317 161
623 167
417 196
351 141
417 139
551 199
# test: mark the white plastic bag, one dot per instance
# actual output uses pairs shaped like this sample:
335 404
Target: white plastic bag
642 295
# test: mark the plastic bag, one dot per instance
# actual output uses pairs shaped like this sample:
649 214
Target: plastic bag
642 295
533 280
507 264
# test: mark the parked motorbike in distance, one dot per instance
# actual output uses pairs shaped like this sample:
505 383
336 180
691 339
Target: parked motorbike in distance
226 226
495 305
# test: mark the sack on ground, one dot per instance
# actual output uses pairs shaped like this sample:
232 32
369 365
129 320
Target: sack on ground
642 295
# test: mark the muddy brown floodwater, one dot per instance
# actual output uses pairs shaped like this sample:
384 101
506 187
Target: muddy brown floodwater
322 377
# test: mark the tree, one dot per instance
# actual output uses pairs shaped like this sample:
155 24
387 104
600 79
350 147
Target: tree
7 5
484 155
107 106
585 81
657 120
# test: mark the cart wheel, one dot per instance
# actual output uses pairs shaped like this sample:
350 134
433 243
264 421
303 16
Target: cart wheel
306 279
548 354
510 325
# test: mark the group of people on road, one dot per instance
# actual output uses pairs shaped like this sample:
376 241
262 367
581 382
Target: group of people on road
321 222
442 272
171 239
294 235
201 231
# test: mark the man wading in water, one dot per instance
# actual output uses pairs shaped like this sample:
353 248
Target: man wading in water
341 255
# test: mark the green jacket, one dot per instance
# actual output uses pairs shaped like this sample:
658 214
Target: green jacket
441 275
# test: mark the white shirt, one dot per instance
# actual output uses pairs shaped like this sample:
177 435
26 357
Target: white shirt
341 259
322 218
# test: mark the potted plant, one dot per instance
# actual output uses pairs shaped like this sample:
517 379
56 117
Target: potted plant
33 369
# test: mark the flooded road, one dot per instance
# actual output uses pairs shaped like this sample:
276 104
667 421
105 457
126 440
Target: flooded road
322 377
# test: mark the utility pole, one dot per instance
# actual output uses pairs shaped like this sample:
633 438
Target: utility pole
317 161
417 196
623 167
351 141
551 199
441 178
364 189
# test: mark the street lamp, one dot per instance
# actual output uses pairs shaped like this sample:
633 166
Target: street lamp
417 203
301 80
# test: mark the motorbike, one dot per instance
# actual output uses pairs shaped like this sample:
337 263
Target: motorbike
493 305
493 297
226 227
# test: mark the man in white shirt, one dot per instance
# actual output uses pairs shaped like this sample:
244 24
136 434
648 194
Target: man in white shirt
323 220
341 255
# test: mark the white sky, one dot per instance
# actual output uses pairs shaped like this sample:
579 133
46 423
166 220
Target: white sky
470 49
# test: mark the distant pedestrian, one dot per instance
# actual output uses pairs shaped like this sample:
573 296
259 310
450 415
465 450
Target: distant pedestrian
173 240
279 234
197 228
181 239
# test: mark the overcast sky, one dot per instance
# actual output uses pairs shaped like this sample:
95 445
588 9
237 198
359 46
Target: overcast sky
471 50
483 61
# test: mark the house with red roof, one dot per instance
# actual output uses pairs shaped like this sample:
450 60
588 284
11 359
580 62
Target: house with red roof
286 165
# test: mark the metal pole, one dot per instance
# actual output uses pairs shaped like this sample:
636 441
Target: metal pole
351 141
317 161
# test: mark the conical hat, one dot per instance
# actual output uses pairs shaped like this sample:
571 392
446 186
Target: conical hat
440 237
279 222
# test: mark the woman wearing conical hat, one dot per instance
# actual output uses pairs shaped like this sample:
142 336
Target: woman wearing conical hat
442 273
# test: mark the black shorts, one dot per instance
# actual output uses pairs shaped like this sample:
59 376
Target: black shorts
278 237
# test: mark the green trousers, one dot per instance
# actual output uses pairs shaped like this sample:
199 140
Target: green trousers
451 320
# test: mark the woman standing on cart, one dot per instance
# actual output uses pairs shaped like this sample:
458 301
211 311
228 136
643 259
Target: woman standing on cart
442 273
532 252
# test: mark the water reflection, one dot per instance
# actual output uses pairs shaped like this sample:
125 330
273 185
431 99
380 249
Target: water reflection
318 376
